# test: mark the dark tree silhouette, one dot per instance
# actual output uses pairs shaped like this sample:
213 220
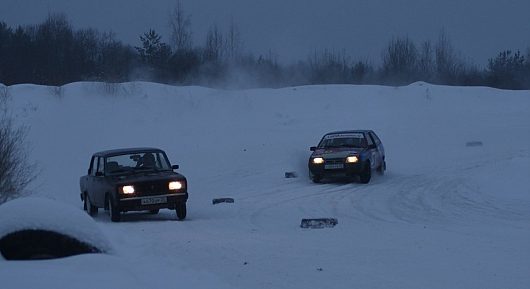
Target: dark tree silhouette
507 70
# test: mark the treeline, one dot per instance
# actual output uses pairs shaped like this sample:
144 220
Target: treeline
53 53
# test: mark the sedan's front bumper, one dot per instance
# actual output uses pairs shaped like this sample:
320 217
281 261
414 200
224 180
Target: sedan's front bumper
152 202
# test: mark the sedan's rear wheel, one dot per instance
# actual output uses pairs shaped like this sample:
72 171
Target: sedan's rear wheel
91 209
181 211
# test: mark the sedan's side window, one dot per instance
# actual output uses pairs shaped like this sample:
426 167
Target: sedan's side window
93 166
100 165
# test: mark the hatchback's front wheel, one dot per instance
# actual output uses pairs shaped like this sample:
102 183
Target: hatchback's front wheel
315 178
366 174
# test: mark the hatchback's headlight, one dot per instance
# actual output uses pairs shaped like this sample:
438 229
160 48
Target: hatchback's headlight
127 190
176 185
318 160
352 159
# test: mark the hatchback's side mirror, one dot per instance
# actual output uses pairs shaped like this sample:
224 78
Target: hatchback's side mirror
313 149
175 167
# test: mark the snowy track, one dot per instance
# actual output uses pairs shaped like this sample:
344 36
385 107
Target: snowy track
443 216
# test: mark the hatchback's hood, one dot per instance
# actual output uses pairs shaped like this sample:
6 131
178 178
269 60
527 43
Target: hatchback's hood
335 153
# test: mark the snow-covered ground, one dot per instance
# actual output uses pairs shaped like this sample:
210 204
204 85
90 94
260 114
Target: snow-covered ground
445 215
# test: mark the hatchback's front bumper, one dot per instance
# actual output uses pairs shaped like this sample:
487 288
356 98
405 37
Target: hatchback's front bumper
347 169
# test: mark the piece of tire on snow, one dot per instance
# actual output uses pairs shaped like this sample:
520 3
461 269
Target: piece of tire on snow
290 175
474 144
37 228
318 223
222 200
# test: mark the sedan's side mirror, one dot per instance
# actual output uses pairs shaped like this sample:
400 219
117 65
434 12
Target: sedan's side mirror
175 167
313 149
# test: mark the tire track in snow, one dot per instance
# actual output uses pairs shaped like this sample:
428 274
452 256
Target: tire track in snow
307 200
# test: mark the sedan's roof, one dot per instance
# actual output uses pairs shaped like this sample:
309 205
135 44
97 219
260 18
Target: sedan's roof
123 151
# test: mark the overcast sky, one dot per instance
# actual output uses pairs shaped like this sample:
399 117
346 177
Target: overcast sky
292 29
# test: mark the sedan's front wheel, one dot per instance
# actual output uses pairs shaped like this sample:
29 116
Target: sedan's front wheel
181 211
114 212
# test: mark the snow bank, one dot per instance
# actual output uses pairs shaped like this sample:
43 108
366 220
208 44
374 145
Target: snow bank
45 214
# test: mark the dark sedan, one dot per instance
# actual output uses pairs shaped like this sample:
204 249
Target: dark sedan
349 154
133 179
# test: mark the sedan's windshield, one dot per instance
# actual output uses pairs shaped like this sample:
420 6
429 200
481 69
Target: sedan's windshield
355 140
136 162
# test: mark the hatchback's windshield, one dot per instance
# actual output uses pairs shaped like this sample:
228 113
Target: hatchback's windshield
355 140
145 161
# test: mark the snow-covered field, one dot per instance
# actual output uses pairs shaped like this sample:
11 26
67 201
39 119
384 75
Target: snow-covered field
445 215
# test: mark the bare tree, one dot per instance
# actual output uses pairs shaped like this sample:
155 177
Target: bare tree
361 71
214 44
180 25
233 41
426 61
447 63
399 60
329 67
15 174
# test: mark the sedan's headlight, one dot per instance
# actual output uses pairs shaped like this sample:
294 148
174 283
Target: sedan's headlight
352 159
318 160
127 190
176 185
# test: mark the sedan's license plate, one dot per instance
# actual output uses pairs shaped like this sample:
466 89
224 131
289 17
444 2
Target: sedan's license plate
333 166
154 200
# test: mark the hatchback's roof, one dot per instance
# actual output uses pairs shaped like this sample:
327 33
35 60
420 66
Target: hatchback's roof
350 131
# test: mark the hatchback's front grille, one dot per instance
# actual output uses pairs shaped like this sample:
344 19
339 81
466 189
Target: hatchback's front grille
334 161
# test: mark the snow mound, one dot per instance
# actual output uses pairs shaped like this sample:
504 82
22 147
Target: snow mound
45 214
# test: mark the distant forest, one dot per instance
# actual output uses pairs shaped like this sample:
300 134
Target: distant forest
54 53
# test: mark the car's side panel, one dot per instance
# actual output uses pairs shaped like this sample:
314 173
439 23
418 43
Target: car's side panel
98 184
89 181
379 151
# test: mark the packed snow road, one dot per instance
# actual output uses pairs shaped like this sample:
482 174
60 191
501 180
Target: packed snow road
445 215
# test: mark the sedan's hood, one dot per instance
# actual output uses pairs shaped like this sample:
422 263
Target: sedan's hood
141 177
335 153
